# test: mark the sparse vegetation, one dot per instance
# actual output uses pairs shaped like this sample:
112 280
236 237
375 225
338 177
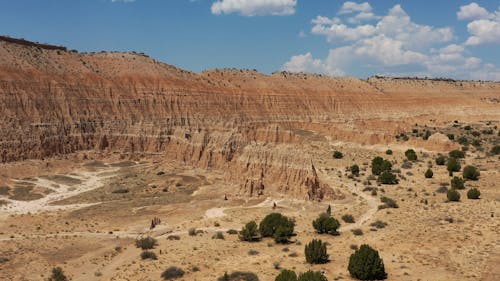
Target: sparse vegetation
146 243
389 203
440 160
239 276
388 152
453 195
495 150
57 275
315 252
453 166
338 155
366 264
380 165
312 276
473 193
148 255
387 177
286 275
357 232
277 226
355 170
456 154
378 224
172 273
471 173
325 224
348 218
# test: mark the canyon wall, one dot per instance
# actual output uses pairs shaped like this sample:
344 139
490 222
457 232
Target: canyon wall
54 102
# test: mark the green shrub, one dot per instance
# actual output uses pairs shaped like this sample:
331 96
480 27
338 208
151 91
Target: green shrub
120 191
453 165
475 133
471 173
249 232
456 154
148 255
495 150
453 195
315 252
463 141
440 160
286 275
388 152
355 170
234 231
451 136
172 273
338 155
146 243
411 155
366 264
312 276
473 193
58 275
348 218
378 224
457 183
429 174
283 234
387 177
325 224
272 222
380 165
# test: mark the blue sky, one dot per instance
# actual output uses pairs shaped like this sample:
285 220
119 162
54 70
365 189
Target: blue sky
439 38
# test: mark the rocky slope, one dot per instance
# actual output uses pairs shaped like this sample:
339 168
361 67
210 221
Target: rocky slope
54 102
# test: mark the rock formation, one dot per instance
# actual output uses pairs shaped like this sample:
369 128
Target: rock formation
54 102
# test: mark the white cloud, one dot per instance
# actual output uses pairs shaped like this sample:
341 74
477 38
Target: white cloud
352 7
254 7
472 12
484 27
394 45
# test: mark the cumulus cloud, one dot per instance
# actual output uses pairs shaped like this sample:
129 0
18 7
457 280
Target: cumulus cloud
484 27
254 7
393 45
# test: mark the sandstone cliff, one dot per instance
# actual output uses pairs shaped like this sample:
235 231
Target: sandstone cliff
54 102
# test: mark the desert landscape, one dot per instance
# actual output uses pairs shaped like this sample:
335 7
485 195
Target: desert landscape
115 166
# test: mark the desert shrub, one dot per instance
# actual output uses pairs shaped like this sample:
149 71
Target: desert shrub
473 193
440 160
456 154
252 252
429 174
378 224
495 150
3 260
57 275
453 165
406 165
427 135
366 264
329 210
357 232
380 165
173 237
411 155
463 140
451 136
315 252
471 173
286 275
387 177
218 235
148 255
192 231
348 218
325 224
172 273
234 231
249 232
388 152
355 170
453 195
476 143
312 276
277 226
338 155
390 203
146 243
165 189
120 191
475 133
239 276
457 183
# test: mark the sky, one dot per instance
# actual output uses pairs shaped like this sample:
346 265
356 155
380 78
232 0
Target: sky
426 38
